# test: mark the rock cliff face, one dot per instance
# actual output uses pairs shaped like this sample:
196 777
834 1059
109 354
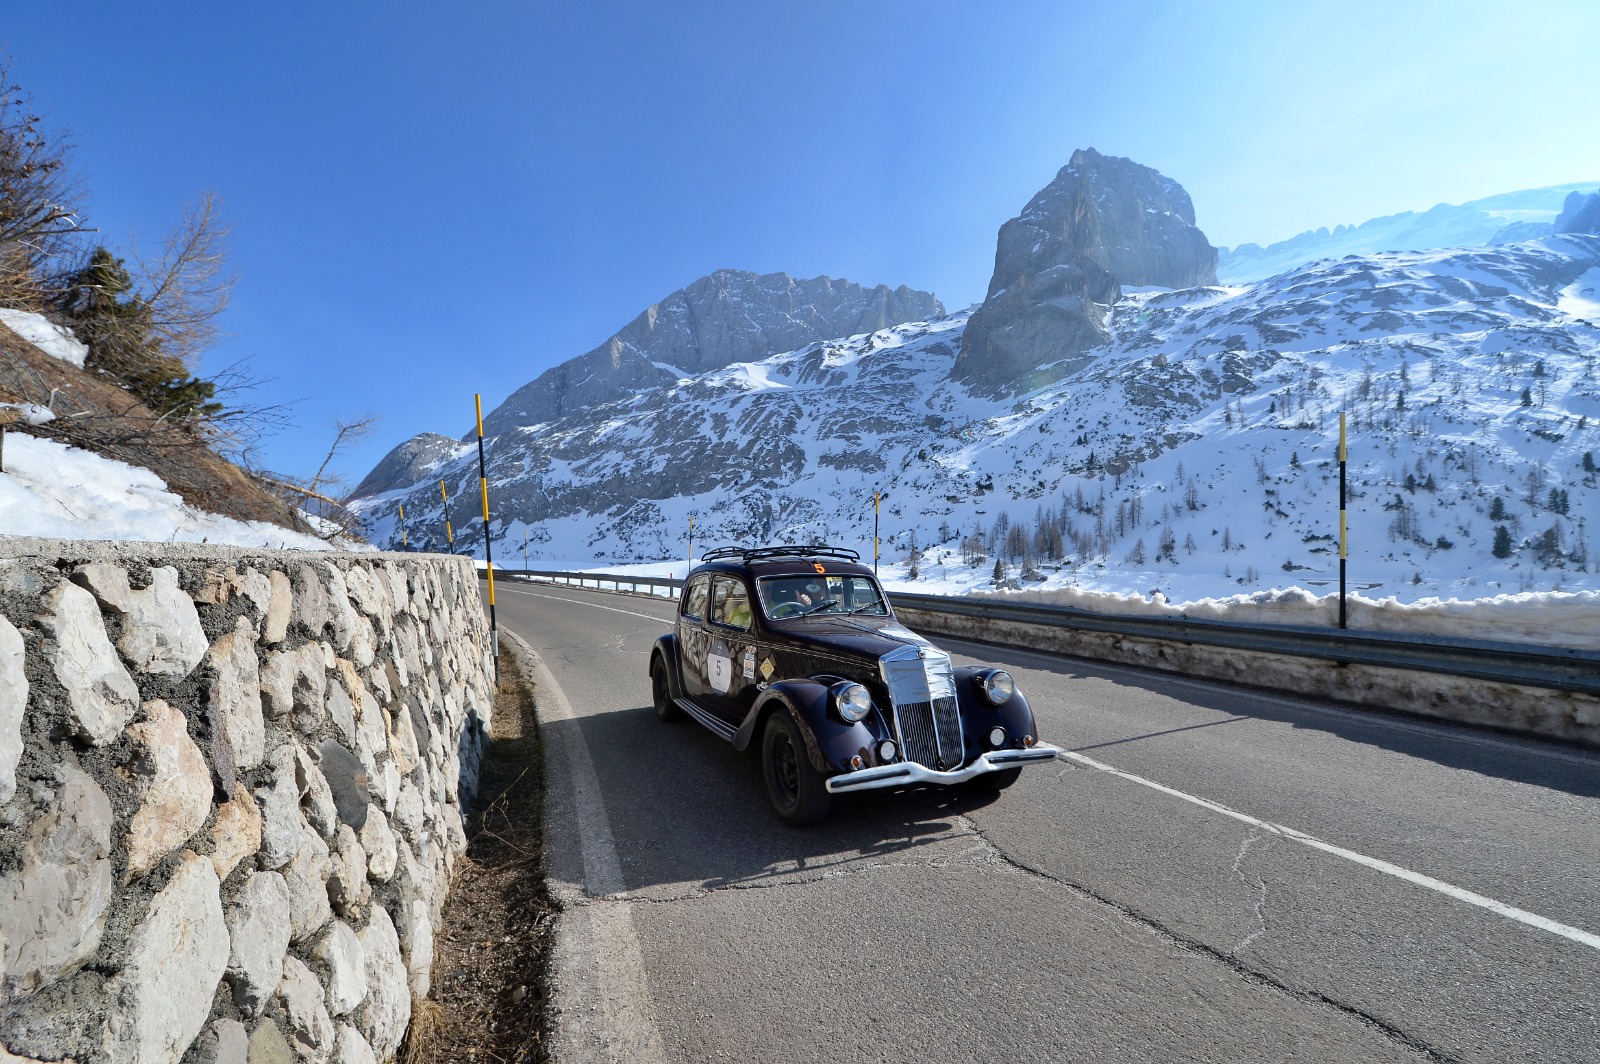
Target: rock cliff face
1581 214
730 316
408 463
1103 222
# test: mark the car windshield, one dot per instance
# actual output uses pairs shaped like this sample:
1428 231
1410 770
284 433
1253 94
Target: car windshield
783 597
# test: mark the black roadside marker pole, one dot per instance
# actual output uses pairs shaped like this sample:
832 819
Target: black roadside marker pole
488 550
1344 552
875 497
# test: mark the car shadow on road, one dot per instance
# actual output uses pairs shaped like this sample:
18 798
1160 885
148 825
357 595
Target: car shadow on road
1542 763
690 813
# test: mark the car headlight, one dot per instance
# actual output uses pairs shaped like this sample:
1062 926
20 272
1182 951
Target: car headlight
852 701
998 686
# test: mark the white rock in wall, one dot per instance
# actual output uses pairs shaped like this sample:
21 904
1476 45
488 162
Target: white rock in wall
310 600
13 700
387 1009
101 694
296 681
348 888
344 965
160 1000
316 799
352 1048
235 694
363 648
168 775
342 711
256 586
379 843
403 740
161 633
236 832
258 936
224 1042
108 584
419 947
283 828
342 616
280 607
310 1027
306 875
389 786
409 815
53 907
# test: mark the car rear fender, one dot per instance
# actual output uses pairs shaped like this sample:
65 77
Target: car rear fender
665 656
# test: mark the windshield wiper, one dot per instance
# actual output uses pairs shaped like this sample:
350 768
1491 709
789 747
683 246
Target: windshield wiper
868 606
824 604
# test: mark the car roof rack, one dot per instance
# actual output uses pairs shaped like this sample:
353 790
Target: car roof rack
792 550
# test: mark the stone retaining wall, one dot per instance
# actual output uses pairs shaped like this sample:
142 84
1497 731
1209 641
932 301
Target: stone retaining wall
232 787
1533 710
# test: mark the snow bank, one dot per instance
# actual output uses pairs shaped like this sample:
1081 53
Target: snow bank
47 336
55 491
1548 618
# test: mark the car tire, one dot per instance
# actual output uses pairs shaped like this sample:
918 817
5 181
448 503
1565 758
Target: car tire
995 781
796 789
661 693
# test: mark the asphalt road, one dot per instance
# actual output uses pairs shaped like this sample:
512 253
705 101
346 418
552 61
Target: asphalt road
1211 875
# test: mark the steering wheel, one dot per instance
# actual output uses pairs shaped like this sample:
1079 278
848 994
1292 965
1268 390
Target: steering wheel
786 609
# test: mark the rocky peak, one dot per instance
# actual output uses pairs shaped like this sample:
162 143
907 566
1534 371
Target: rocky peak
726 317
408 463
1580 214
1102 223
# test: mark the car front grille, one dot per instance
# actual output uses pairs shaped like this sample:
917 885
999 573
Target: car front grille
922 688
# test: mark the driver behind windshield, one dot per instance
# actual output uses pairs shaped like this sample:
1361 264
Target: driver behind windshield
796 596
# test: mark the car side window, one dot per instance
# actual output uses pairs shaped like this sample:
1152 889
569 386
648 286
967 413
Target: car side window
730 603
694 604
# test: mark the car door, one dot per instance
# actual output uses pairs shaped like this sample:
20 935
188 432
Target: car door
729 668
694 640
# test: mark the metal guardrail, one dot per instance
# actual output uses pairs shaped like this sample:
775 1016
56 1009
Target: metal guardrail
1557 668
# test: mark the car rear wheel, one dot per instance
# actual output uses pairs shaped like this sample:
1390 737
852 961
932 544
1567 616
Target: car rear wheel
661 693
796 789
995 781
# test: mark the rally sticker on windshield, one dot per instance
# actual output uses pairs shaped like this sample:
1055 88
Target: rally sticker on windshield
719 668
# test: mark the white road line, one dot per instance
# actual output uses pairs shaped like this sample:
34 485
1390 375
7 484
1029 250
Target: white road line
1416 878
581 602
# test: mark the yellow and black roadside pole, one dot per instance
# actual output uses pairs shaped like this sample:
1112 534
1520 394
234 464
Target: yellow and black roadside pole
449 533
1344 552
875 497
403 544
488 550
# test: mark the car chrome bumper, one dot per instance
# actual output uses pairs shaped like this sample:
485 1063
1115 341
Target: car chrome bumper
908 773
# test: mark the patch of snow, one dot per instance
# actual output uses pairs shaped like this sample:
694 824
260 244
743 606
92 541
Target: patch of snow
32 413
47 336
55 491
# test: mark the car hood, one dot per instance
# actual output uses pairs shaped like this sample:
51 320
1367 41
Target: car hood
869 638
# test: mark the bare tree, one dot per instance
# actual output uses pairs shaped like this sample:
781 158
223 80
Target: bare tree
38 218
185 287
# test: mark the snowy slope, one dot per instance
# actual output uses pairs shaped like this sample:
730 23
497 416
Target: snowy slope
1201 440
1510 216
52 490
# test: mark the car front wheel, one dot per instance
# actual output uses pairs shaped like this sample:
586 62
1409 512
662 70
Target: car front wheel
661 693
796 789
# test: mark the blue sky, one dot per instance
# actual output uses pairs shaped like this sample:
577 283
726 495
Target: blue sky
433 199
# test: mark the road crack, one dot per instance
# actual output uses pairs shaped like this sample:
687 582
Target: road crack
1257 889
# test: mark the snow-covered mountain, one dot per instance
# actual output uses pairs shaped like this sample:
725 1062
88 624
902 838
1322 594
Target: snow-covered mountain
1502 219
1194 453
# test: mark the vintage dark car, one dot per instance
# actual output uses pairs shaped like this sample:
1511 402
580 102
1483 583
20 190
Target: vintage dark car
797 651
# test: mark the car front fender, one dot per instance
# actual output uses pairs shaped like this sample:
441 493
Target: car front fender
830 743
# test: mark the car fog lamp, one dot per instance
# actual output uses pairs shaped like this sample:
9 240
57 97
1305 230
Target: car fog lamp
997 736
853 701
998 686
887 751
